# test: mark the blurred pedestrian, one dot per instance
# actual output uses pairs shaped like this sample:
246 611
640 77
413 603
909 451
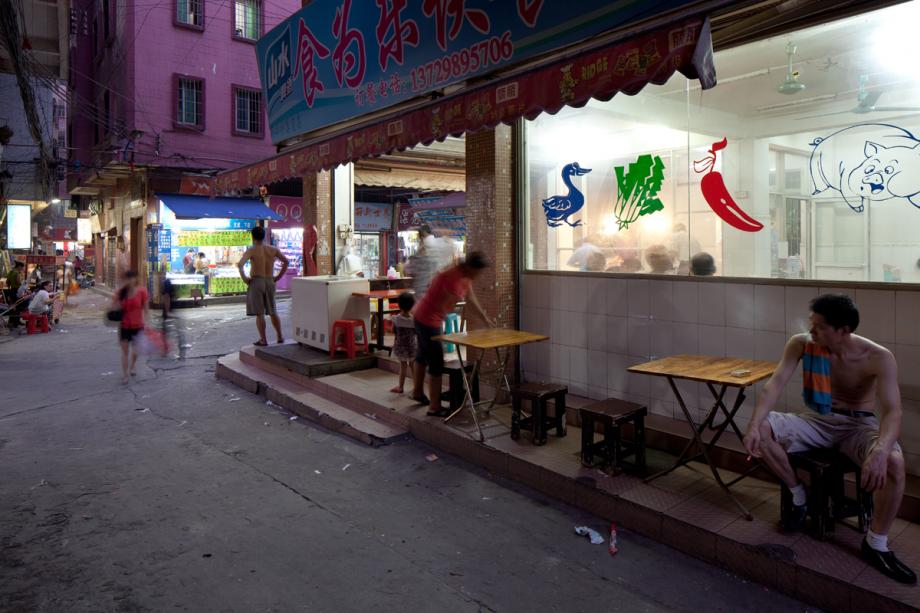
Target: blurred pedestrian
132 300
169 320
446 290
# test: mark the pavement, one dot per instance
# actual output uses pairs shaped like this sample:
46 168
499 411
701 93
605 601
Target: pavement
182 492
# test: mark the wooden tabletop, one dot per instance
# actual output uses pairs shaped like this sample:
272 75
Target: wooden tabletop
491 338
381 294
733 372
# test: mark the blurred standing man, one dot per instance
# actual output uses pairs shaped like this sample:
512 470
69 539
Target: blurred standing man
260 296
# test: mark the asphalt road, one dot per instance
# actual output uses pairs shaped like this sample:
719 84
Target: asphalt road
180 492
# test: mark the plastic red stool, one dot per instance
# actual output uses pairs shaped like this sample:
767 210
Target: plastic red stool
348 328
33 322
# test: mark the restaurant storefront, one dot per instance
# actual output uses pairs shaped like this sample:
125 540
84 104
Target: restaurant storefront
681 217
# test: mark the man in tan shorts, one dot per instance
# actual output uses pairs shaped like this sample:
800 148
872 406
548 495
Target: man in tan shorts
260 297
844 377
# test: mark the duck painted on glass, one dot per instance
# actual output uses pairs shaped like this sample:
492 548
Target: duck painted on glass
558 209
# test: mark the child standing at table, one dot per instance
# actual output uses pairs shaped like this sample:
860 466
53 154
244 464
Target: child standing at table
404 345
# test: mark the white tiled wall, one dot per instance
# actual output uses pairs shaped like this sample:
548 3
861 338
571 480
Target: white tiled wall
598 327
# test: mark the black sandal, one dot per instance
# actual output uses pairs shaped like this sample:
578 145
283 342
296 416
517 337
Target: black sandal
442 412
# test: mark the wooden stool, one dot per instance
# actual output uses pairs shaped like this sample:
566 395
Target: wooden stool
827 501
538 422
348 328
613 413
456 393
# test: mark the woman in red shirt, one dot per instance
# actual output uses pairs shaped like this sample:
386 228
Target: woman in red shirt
132 300
452 285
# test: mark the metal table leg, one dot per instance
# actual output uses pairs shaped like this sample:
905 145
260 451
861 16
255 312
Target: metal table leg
468 393
703 447
502 377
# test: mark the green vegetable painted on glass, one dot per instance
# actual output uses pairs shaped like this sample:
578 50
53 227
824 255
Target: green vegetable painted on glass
638 189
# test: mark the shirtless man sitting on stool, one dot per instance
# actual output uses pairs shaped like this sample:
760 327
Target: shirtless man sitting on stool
843 375
260 295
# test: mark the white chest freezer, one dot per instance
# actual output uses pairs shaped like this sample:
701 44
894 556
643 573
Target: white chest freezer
318 301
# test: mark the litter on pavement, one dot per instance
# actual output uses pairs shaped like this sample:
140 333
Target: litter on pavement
292 418
612 548
233 399
431 457
346 467
594 535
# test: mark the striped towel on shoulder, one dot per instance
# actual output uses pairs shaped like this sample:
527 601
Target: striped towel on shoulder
816 378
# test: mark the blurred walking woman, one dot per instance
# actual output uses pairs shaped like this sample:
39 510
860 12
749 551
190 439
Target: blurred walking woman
132 300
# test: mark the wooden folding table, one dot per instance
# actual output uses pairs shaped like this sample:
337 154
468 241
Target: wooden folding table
499 340
713 371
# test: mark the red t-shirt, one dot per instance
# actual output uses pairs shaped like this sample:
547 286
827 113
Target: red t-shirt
430 310
132 310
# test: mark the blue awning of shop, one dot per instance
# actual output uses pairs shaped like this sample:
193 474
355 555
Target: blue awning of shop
202 207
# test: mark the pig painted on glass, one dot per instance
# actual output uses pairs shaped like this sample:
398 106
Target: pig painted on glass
886 166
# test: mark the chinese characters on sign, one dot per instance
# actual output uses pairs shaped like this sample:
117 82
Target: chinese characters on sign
338 59
373 217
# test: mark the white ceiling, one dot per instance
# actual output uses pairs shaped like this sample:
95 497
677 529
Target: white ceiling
878 46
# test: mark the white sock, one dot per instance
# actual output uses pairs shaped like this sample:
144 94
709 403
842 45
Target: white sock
798 495
878 542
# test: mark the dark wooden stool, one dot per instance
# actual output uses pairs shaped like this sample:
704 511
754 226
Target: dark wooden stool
538 422
613 413
827 500
456 394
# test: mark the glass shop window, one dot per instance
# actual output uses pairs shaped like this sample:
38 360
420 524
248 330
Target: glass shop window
802 163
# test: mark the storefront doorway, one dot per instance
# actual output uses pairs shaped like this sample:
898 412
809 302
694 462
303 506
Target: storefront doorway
396 195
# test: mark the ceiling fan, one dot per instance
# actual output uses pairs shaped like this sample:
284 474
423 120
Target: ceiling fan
791 85
866 101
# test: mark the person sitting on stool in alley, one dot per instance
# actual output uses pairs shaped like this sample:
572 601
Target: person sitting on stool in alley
844 377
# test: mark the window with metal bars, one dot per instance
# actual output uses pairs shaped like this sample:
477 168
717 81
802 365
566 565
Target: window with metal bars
190 103
247 19
190 12
248 106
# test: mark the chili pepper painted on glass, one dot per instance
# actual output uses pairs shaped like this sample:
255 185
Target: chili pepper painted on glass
716 194
638 189
558 209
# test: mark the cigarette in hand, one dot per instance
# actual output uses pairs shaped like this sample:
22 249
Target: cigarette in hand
749 458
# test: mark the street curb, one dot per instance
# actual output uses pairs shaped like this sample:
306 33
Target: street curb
307 405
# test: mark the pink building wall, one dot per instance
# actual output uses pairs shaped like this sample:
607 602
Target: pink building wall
138 67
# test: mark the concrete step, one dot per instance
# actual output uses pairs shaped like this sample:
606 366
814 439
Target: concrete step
304 403
312 362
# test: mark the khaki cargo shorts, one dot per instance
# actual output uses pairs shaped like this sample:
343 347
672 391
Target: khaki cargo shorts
852 436
260 297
